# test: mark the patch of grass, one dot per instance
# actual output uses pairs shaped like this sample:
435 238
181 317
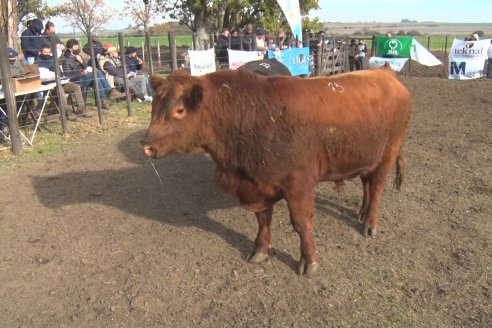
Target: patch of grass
50 139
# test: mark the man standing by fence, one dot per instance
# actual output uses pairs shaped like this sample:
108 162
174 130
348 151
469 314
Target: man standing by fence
489 61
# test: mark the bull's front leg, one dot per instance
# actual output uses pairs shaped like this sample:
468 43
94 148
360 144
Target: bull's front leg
263 241
301 208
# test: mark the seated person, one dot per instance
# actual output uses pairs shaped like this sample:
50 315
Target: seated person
45 60
135 64
15 69
136 83
75 67
98 49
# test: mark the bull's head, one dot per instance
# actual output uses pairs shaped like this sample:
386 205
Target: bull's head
175 123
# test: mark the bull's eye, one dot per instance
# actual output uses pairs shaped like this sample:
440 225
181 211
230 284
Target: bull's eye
179 113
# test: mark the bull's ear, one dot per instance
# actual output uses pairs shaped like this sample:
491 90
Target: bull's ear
157 82
194 97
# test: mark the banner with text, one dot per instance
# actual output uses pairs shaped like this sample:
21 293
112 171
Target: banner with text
202 61
393 46
296 59
395 63
237 57
467 59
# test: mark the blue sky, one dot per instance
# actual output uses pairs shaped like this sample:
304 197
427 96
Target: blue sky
453 11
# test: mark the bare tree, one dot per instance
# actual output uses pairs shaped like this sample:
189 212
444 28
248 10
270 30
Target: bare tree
85 15
141 12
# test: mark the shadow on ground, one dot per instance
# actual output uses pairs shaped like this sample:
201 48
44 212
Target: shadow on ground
187 194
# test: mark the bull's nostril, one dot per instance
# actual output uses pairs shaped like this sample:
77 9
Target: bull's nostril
149 150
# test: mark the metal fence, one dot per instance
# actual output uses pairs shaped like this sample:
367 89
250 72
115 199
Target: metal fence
161 55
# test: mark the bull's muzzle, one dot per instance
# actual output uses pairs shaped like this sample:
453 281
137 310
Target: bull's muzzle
148 149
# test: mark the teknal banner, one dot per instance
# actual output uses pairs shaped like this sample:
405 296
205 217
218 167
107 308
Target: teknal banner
296 59
393 47
467 59
202 61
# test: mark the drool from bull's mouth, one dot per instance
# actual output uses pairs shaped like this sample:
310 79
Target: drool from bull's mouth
277 137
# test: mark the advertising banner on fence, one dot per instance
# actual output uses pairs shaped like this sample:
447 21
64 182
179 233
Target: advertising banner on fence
395 63
467 59
296 59
202 61
393 46
237 57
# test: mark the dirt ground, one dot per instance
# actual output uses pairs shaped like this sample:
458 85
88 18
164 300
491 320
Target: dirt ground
90 238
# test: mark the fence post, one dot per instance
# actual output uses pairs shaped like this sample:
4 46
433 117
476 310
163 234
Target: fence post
125 73
194 40
158 44
149 50
95 78
445 54
61 102
172 49
8 91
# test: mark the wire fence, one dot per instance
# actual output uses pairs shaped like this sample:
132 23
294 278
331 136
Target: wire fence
160 54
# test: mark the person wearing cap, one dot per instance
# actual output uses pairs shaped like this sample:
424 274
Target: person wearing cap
98 48
261 45
136 83
15 69
75 67
135 64
31 40
46 63
353 54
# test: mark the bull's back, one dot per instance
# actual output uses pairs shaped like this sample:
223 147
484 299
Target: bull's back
353 119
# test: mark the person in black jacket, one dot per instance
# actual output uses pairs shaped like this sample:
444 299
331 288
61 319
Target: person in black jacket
98 48
46 61
221 47
75 67
31 40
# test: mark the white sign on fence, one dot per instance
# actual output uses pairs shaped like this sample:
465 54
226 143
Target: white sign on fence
237 58
395 63
202 61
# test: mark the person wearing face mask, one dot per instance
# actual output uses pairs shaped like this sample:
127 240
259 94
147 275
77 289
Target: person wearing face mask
75 67
31 40
46 64
16 69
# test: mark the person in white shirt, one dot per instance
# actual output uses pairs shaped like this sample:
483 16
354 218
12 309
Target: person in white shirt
489 62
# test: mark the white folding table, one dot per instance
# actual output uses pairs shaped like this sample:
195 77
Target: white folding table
26 95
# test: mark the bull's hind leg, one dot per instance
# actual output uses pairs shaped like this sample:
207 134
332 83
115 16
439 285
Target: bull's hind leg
263 241
301 207
376 187
365 199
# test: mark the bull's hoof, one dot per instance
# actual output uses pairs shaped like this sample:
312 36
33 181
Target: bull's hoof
257 258
369 232
308 269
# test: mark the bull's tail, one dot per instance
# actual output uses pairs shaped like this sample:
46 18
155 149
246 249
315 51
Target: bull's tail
400 170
